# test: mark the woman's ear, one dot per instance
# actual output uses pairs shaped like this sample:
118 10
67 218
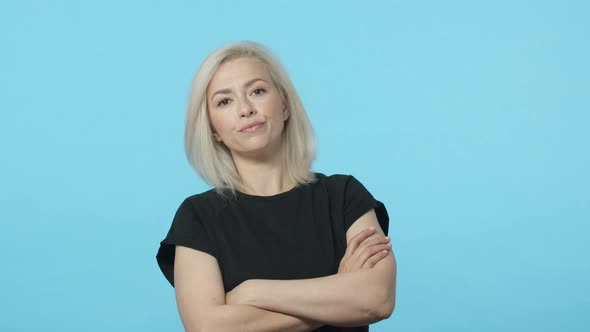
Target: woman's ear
215 134
286 113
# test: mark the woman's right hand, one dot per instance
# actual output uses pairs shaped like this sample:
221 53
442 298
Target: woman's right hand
364 251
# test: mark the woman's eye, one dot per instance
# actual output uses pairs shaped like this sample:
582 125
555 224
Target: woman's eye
225 101
258 90
222 102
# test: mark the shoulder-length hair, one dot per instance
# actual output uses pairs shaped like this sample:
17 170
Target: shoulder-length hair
212 160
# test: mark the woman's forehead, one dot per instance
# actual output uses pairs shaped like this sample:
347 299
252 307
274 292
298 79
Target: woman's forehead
238 71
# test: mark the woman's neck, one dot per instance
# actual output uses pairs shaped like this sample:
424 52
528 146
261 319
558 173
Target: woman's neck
264 178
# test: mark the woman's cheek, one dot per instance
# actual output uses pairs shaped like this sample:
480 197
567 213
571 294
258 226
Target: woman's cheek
218 122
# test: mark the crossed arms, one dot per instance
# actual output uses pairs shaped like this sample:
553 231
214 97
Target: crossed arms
353 298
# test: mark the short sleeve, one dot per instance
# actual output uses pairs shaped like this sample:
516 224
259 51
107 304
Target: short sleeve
358 200
187 230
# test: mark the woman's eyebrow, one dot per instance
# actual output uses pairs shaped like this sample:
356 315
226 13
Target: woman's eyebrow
247 84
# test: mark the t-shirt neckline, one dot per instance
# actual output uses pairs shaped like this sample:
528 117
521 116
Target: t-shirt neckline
293 190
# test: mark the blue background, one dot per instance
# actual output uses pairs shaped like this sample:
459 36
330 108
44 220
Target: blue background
469 120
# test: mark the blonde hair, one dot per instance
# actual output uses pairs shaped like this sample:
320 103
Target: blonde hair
212 160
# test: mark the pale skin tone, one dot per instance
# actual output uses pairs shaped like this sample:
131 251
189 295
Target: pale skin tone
258 155
360 293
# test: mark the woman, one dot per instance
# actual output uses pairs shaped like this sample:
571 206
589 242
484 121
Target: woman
273 246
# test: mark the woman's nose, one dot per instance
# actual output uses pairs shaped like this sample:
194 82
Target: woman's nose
246 108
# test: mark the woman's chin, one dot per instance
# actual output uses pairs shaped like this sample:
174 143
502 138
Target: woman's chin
254 149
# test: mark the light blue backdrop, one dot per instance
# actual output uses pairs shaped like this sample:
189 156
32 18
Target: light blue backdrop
469 120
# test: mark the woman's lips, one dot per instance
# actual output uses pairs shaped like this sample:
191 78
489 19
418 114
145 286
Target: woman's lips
252 129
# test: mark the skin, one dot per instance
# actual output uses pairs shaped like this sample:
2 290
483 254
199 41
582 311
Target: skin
258 156
364 250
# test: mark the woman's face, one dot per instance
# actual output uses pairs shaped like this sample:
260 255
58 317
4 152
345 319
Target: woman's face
241 93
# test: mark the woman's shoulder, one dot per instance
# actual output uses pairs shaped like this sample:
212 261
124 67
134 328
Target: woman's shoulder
336 178
208 202
339 184
207 195
331 177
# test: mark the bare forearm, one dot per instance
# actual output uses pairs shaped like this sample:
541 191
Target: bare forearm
241 317
330 299
348 299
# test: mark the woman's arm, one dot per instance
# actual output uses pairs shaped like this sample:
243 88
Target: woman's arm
348 299
245 318
354 298
202 305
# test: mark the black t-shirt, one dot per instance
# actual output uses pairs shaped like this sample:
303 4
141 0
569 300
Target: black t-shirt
297 234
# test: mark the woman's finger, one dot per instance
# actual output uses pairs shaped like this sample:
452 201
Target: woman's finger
357 240
374 240
366 253
376 257
360 255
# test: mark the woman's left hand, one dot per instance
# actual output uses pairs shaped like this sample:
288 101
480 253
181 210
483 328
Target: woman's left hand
365 250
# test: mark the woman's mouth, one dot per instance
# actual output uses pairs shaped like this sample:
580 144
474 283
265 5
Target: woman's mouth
253 128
